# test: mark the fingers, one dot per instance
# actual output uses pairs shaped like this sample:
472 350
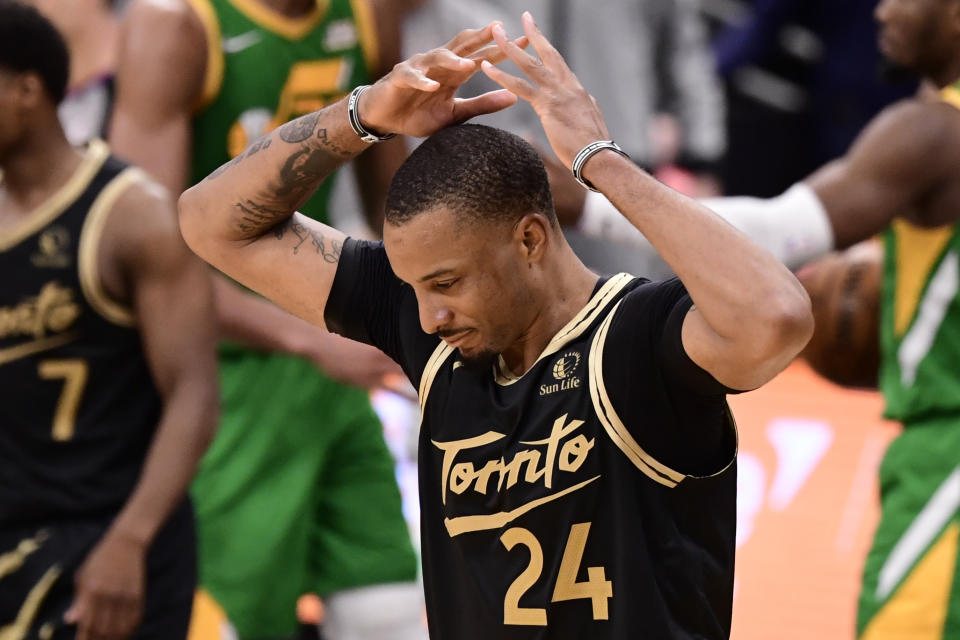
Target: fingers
407 75
494 54
527 63
491 102
469 40
548 54
517 86
428 71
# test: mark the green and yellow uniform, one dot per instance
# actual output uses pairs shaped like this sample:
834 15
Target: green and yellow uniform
297 493
911 583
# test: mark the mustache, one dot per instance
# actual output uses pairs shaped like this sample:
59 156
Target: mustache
448 333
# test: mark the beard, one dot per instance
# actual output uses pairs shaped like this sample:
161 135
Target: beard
479 362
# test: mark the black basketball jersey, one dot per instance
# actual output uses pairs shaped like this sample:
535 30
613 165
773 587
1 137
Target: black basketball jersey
78 408
542 515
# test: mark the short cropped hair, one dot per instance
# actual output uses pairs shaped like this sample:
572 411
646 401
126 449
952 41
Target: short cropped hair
480 173
30 42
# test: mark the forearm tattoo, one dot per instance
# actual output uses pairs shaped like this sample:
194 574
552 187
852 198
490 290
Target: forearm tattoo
323 246
258 145
314 156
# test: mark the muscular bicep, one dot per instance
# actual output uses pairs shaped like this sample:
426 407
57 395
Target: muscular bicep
893 163
160 79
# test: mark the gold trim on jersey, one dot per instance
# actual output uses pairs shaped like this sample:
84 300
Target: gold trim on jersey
366 23
917 251
290 28
213 73
56 204
36 346
90 236
951 95
439 356
18 629
612 423
486 521
573 329
11 561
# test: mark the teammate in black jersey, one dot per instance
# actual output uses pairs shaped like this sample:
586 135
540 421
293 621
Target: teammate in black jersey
577 475
107 379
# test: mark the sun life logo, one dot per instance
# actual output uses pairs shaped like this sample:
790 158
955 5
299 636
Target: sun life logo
563 370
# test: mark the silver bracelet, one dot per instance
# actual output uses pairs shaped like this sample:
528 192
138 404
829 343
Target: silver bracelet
365 134
586 153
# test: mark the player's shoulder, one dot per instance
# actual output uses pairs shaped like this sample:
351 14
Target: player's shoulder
166 17
918 123
142 217
166 12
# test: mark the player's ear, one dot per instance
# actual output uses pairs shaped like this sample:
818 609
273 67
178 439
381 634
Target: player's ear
531 234
30 90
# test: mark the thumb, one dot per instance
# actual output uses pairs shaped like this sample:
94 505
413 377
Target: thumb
75 612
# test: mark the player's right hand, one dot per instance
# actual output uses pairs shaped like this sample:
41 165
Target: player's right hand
109 590
570 116
418 98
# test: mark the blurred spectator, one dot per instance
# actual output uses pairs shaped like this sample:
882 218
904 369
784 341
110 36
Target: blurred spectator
91 30
297 493
801 75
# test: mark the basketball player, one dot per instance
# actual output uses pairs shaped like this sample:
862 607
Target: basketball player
901 179
198 81
107 377
576 462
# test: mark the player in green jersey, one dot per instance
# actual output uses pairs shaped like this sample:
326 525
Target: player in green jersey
902 179
298 492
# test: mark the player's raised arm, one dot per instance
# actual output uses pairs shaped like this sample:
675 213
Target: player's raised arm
242 218
751 316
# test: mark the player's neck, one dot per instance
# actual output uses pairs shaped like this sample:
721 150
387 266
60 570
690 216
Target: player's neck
570 288
290 8
41 166
945 74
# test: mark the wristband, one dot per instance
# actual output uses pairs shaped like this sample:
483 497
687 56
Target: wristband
365 134
586 153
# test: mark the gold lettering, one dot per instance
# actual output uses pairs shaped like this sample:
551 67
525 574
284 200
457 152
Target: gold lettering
52 310
462 477
451 449
558 433
526 463
578 448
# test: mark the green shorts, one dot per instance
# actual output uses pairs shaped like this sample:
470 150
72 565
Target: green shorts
911 582
297 494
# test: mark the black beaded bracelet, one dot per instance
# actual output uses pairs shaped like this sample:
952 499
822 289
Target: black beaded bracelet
359 129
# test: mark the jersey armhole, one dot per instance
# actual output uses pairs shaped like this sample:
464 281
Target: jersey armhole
90 236
617 430
213 69
612 424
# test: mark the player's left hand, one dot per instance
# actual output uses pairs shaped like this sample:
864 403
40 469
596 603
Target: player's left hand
418 98
570 115
109 590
